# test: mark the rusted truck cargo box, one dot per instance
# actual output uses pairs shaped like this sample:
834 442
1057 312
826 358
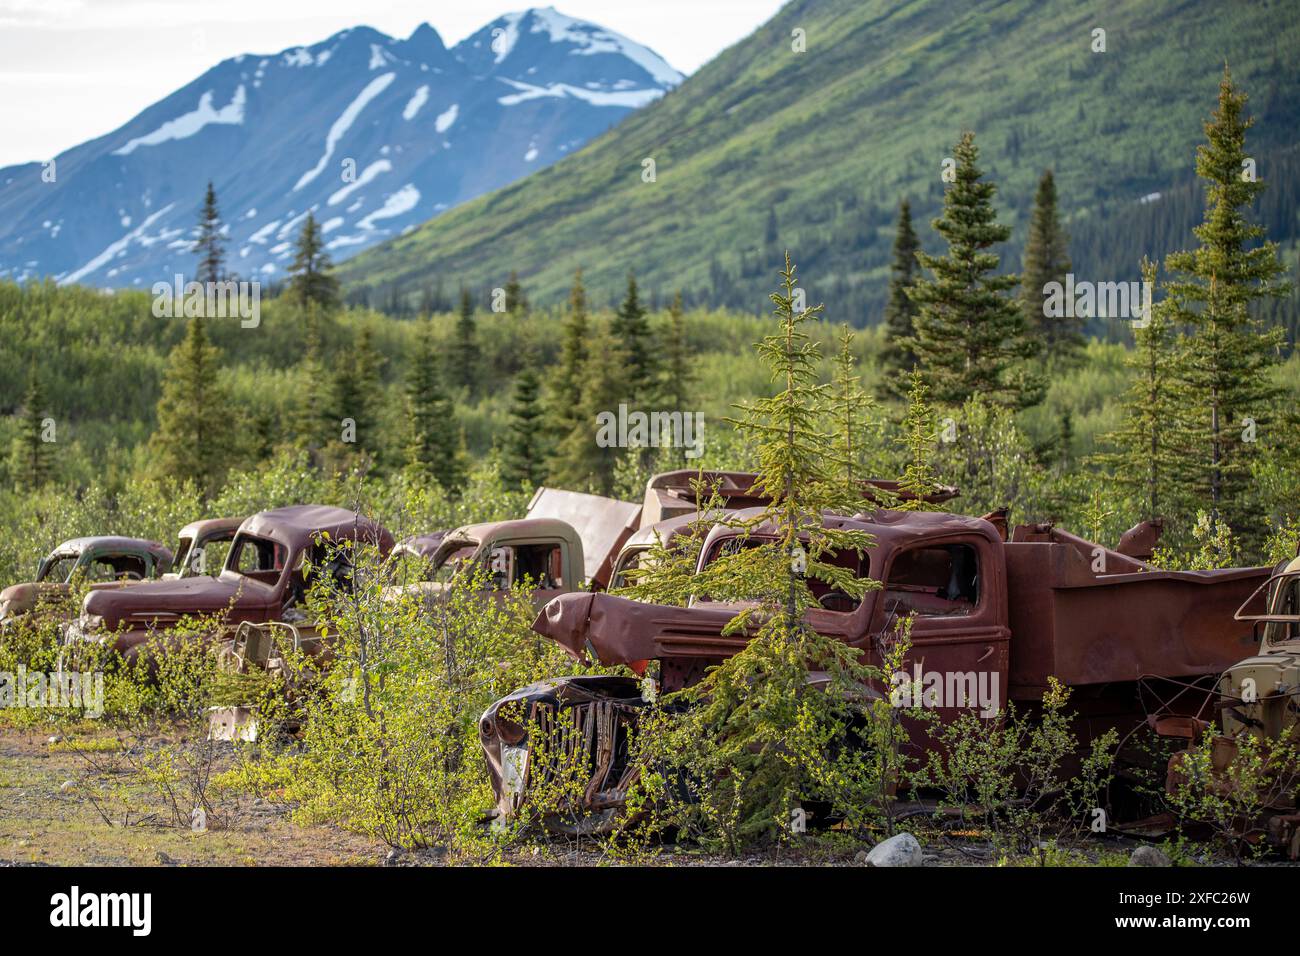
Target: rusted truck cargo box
1087 627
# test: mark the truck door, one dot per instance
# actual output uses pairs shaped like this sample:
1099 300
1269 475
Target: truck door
536 564
953 590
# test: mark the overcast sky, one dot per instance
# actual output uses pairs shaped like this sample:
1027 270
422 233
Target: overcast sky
71 70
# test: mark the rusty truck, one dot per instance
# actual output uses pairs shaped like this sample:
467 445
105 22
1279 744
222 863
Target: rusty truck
992 613
1257 696
273 560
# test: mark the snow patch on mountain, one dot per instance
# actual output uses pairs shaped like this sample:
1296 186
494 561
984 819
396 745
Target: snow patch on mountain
591 40
418 99
446 118
628 99
113 249
344 123
367 174
187 124
399 203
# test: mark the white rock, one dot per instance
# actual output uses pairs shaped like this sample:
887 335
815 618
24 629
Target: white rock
899 850
1149 856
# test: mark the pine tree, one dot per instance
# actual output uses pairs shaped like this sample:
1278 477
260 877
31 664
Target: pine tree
29 463
464 356
311 425
970 337
1146 462
851 413
310 278
208 246
756 741
356 394
578 461
434 448
1224 366
632 331
524 458
568 383
194 437
677 363
918 436
516 302
1047 259
900 311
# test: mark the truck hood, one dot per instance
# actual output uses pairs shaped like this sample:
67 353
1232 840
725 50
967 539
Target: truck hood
616 630
21 598
172 599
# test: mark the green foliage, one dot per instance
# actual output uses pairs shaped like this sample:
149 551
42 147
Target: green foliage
852 421
1147 462
1010 775
900 310
310 279
761 733
631 331
434 449
194 439
391 740
971 339
1223 379
464 357
209 246
739 159
1228 788
524 457
1047 259
29 456
918 437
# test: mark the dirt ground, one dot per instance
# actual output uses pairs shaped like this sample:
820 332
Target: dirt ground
42 820
46 819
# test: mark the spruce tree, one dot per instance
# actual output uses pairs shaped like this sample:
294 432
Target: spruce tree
516 302
677 362
578 461
632 331
194 437
311 423
1047 259
433 450
524 458
853 423
898 358
1146 461
971 338
918 437
757 742
29 463
464 356
1224 367
310 279
567 386
356 394
209 246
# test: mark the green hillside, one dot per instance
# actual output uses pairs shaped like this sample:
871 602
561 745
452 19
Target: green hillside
765 148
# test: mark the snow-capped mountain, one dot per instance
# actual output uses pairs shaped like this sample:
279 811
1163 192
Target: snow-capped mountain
371 133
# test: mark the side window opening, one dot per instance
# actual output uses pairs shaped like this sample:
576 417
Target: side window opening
833 599
934 581
538 565
257 558
118 567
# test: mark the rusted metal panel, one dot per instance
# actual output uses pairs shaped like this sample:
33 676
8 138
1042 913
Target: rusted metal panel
602 523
